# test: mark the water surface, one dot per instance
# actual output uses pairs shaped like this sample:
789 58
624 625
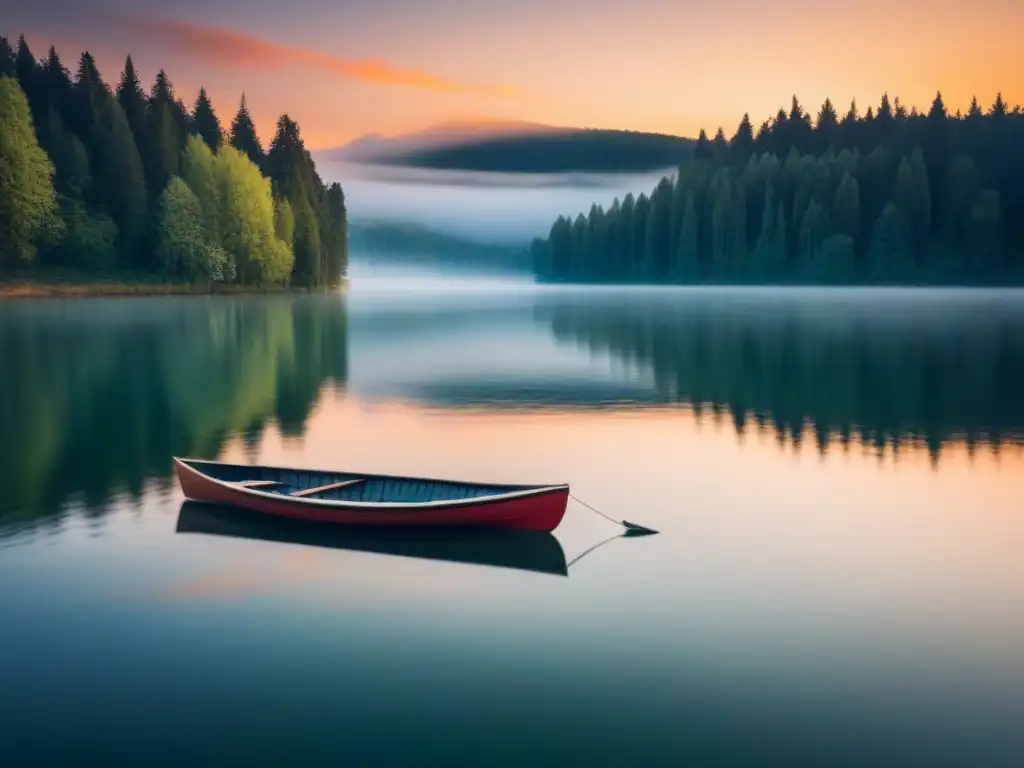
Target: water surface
838 478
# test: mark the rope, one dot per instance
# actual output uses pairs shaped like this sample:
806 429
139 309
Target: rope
592 509
632 529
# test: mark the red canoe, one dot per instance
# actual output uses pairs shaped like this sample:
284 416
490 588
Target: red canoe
361 499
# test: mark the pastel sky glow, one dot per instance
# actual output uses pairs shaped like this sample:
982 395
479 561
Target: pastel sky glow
346 68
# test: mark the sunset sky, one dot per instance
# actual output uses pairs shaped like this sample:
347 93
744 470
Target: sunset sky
345 68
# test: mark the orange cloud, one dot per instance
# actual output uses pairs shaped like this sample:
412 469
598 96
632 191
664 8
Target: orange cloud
227 48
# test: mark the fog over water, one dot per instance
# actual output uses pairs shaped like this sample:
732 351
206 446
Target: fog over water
491 207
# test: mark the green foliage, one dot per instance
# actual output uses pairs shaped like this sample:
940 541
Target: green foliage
247 221
199 170
90 239
184 247
284 222
307 245
28 203
335 243
98 154
73 178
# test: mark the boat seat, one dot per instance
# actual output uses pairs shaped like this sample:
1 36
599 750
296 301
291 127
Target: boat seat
256 483
322 488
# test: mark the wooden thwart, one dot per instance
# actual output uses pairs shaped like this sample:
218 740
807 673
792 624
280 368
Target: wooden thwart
329 487
257 483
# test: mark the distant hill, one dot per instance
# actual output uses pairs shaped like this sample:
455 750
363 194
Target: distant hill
522 148
399 242
378 148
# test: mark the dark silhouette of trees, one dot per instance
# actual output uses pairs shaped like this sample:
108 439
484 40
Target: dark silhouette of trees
243 134
133 101
112 155
204 121
890 196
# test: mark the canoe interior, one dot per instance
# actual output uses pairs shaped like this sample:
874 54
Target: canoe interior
371 488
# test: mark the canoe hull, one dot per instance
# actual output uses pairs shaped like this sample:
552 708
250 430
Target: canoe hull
541 511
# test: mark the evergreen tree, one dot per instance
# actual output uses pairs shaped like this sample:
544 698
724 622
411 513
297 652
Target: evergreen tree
719 145
624 256
243 134
205 123
640 212
814 228
7 66
998 107
132 99
28 204
56 84
848 127
846 211
799 126
721 225
780 234
912 196
891 255
768 258
742 142
899 111
827 125
884 114
30 79
658 236
986 238
291 170
702 150
963 187
162 148
88 98
119 181
687 261
762 141
73 178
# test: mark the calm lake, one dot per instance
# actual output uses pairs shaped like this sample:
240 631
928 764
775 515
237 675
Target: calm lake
838 478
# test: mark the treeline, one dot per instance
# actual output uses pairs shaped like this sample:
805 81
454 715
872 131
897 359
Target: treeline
100 180
889 196
557 151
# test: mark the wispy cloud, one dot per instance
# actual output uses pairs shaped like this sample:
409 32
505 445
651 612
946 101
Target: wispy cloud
222 47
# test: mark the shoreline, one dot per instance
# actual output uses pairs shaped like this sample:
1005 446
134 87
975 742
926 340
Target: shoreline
28 289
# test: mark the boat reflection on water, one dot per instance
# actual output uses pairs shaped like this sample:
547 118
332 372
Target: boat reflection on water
536 551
